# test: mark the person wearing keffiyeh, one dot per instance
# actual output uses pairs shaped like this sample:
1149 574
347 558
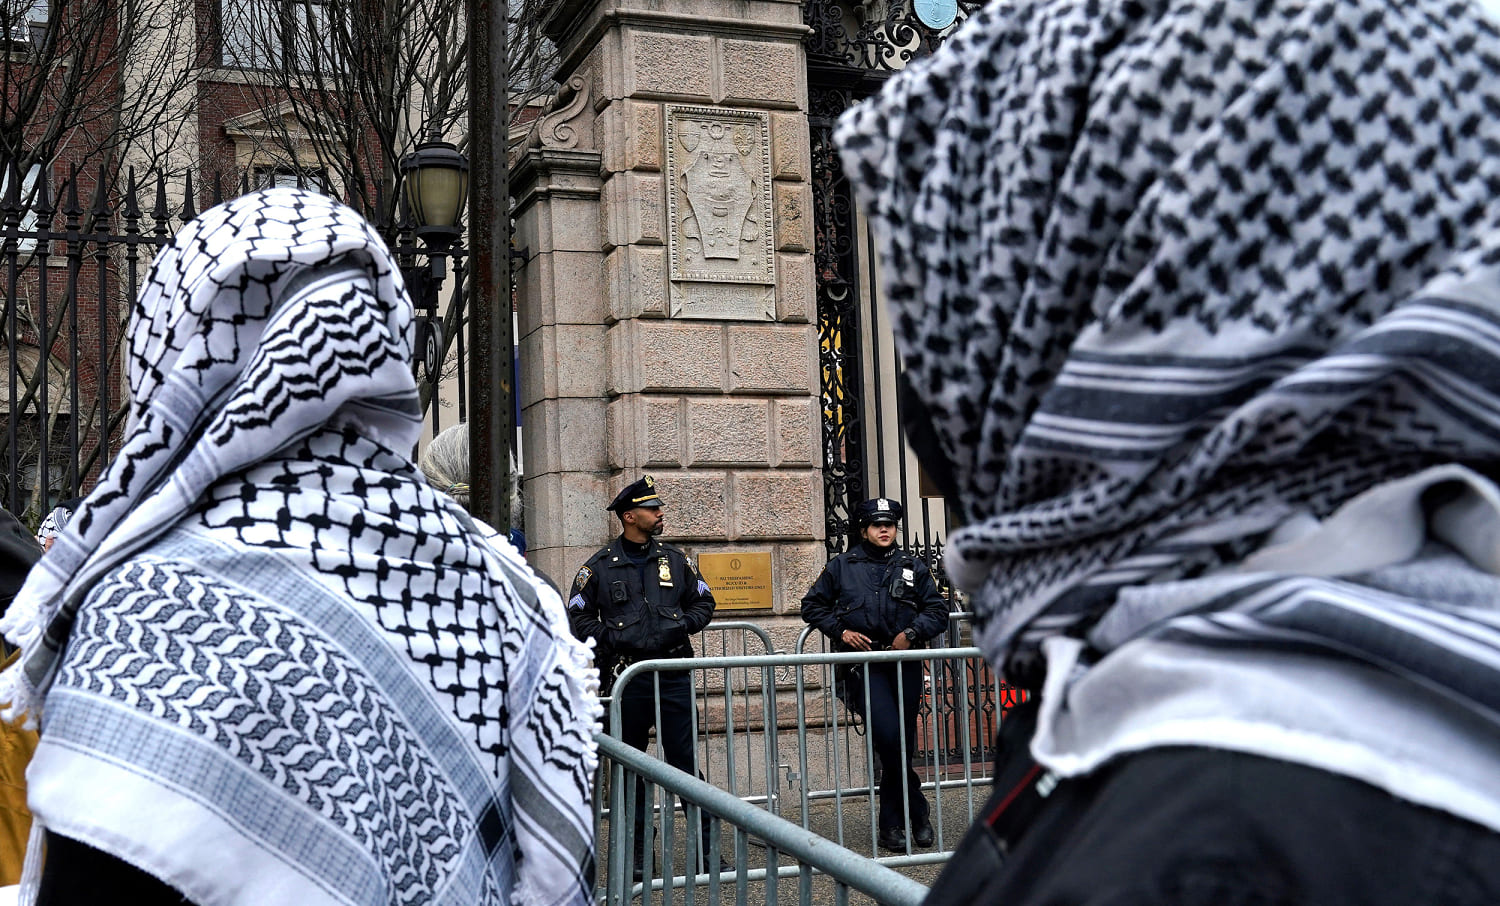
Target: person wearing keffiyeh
54 522
270 664
1198 307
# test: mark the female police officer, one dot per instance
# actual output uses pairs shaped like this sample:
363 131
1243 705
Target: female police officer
877 597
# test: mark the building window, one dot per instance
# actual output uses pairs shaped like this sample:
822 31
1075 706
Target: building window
22 22
276 35
28 202
291 178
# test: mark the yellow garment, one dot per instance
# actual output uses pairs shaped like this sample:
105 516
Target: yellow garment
16 746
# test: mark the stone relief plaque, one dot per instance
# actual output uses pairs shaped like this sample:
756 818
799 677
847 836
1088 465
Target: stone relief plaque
719 210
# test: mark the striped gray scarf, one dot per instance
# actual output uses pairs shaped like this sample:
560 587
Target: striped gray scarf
1167 274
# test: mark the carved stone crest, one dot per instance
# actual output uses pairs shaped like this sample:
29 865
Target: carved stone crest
719 209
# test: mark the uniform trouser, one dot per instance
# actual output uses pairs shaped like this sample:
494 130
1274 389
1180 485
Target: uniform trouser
638 707
893 735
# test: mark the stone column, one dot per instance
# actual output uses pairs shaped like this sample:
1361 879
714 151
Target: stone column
561 309
709 356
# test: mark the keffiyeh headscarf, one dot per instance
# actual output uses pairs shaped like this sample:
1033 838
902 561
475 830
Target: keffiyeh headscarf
1163 273
53 524
271 664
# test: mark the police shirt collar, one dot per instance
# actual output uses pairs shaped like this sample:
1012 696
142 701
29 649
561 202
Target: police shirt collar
617 547
871 552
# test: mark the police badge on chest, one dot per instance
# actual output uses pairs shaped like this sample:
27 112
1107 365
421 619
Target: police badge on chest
664 572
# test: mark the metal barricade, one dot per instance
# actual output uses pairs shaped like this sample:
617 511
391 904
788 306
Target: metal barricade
726 700
800 738
782 851
726 638
962 707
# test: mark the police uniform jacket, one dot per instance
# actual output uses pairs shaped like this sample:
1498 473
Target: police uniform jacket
640 610
877 596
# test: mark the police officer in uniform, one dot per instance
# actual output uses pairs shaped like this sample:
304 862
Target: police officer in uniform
877 597
641 599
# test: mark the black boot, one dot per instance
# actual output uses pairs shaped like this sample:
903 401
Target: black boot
893 838
922 835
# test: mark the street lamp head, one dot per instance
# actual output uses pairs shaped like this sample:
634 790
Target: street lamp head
435 178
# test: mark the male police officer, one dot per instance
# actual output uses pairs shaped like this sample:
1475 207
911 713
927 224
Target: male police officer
641 599
877 597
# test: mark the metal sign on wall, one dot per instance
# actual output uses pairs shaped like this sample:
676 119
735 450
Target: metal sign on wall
740 581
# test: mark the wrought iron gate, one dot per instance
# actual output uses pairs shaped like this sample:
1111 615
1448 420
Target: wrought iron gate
854 46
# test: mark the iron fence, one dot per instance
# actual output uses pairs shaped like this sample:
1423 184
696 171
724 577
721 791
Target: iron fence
73 252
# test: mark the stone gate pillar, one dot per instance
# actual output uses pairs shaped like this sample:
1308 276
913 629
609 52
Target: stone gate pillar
674 330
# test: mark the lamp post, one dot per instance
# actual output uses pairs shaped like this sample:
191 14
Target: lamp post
490 377
435 186
435 181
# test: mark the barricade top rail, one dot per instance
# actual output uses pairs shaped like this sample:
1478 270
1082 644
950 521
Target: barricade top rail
845 866
813 659
954 617
742 625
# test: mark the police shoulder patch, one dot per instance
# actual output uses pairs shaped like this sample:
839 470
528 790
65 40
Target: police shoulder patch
582 579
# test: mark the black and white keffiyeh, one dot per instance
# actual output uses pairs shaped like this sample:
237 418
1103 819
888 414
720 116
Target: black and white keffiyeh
53 524
1165 274
270 663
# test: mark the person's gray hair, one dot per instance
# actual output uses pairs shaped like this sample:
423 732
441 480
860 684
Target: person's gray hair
446 465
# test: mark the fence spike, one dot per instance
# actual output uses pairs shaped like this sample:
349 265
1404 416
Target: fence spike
100 207
44 207
245 183
132 210
189 200
12 200
160 213
218 195
72 210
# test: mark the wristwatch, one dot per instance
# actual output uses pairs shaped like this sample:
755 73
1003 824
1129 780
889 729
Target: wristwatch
911 636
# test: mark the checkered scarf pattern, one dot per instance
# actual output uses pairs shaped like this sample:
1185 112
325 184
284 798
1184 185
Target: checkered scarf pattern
1163 273
272 411
53 524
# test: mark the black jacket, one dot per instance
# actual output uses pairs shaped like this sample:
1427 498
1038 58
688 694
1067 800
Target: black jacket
18 553
879 597
646 610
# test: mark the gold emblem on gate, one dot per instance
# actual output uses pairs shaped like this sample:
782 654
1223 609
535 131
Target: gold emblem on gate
664 571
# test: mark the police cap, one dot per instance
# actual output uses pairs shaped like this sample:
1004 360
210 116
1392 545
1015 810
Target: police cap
638 493
876 510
